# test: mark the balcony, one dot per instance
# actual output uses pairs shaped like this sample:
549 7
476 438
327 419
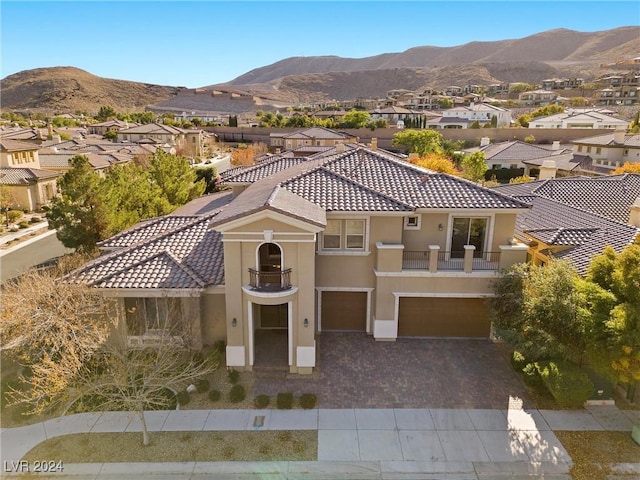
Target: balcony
276 281
393 258
451 261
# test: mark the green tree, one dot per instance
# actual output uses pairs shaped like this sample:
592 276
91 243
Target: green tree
537 309
210 177
445 103
79 214
475 124
175 177
355 119
132 196
616 344
105 113
422 142
474 166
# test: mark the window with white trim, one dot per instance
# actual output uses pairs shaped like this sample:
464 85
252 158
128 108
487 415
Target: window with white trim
151 315
344 234
412 223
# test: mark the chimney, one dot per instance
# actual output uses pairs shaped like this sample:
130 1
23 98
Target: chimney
548 170
278 151
374 144
619 136
634 215
555 145
57 138
484 141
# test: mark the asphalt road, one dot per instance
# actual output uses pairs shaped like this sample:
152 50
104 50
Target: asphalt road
34 252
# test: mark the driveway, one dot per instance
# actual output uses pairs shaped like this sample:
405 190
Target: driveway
355 371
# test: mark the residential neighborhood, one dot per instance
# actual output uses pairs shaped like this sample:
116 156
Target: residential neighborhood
256 279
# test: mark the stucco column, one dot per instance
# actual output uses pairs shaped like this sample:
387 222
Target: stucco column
433 257
468 258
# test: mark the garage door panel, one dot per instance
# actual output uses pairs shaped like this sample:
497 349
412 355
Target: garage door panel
443 317
344 311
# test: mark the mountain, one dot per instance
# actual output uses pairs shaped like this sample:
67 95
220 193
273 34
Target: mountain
70 89
560 46
555 53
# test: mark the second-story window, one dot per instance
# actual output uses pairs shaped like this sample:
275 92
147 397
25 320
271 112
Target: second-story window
344 235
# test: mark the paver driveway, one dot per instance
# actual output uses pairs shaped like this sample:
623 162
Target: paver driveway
354 371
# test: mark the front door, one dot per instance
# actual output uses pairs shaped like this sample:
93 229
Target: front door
273 316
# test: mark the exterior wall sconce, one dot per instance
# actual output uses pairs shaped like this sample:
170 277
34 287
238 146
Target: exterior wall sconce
306 322
234 322
440 227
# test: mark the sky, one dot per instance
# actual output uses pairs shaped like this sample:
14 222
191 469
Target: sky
199 43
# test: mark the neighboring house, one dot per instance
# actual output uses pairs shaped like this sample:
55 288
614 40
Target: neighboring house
355 240
462 117
579 119
576 217
537 98
610 150
109 126
562 83
620 89
516 154
185 141
394 114
310 137
30 185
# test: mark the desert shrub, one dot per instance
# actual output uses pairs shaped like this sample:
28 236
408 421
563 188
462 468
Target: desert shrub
14 215
261 401
35 220
237 394
183 397
214 395
202 385
234 376
529 139
23 224
569 385
284 400
308 400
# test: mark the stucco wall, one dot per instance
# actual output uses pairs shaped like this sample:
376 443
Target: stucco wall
213 318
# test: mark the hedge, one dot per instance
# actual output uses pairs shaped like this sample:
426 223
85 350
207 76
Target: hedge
569 385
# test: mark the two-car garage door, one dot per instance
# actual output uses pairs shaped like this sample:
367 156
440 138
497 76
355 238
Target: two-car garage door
443 317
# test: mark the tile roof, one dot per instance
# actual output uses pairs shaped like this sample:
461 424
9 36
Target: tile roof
24 176
517 150
189 255
584 213
386 182
264 169
586 232
608 196
607 139
7 145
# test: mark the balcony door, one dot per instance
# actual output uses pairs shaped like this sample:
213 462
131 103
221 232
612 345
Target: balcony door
270 258
468 231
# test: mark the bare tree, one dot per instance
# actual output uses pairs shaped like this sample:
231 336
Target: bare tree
76 345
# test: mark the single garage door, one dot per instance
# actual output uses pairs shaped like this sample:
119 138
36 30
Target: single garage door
443 317
344 310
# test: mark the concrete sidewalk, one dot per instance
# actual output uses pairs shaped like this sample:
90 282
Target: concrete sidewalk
460 444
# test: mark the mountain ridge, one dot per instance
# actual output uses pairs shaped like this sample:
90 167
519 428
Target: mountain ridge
554 53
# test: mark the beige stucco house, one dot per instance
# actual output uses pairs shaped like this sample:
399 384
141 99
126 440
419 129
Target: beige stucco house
185 141
350 239
29 186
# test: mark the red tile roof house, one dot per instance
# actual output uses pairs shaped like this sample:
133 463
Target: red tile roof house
349 239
